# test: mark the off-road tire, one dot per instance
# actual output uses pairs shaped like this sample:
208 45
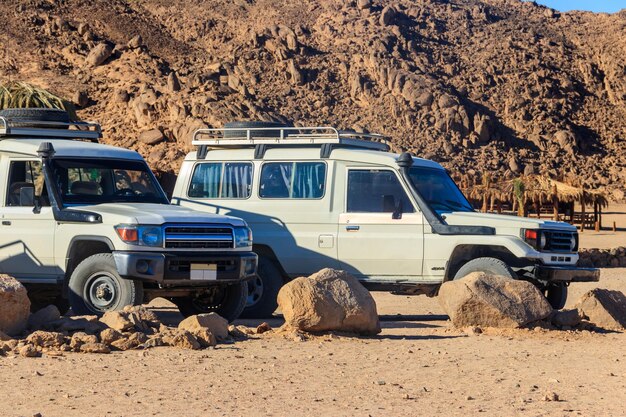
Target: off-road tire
36 114
230 306
97 275
254 125
489 265
556 296
263 293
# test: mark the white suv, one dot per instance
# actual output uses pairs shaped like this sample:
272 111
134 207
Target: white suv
89 224
319 197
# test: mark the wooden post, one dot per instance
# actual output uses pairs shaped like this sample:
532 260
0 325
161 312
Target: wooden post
484 208
499 207
600 216
555 204
538 208
597 226
614 227
582 211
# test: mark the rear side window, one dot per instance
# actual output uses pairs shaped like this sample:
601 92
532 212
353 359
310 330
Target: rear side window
372 191
302 180
221 180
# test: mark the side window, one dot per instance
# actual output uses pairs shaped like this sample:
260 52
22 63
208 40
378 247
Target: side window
24 176
373 191
301 180
221 180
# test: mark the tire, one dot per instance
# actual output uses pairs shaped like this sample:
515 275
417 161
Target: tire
95 287
490 265
254 125
263 291
556 296
228 301
36 114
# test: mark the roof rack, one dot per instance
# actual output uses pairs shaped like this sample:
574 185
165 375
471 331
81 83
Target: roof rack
39 128
263 138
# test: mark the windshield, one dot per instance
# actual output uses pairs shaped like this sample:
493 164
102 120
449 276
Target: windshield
438 190
81 181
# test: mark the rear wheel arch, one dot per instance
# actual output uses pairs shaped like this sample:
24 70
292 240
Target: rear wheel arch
465 253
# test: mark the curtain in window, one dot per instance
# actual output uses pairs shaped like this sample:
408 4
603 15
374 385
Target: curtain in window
308 181
237 181
205 182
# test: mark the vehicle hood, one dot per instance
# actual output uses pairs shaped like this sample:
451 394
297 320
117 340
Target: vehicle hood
157 214
503 224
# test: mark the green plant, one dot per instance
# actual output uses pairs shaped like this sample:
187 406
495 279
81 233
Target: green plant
519 191
18 94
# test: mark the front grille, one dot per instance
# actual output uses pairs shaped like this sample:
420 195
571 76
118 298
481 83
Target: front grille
560 241
198 237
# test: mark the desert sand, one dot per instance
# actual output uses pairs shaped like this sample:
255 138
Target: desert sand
418 365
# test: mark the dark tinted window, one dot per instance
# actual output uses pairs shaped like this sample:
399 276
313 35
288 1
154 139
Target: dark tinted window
302 180
372 191
221 180
439 190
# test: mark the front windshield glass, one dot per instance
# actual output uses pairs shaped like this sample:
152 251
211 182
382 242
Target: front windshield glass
81 181
437 188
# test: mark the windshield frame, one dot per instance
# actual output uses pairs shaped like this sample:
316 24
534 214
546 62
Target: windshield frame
160 196
437 212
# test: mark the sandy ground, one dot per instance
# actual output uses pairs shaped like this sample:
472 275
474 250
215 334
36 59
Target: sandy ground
416 366
606 238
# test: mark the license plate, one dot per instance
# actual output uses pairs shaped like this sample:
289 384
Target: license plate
204 272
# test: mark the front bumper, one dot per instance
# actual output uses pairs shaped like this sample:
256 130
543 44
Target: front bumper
566 274
184 269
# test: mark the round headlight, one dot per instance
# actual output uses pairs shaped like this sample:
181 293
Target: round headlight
151 236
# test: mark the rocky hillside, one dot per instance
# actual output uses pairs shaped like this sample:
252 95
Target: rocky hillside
498 85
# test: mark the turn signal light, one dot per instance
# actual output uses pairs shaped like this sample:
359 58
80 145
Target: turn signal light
127 234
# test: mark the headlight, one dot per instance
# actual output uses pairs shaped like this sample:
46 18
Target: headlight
140 235
243 236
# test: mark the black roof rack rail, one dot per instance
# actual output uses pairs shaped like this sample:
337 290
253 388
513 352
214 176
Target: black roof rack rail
39 128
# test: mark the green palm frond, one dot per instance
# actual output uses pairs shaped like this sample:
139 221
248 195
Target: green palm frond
18 94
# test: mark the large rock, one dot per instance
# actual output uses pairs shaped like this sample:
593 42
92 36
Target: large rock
604 308
14 306
98 55
212 322
481 299
151 137
329 300
44 317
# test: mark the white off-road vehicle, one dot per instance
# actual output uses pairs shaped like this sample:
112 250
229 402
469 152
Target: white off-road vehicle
89 224
318 197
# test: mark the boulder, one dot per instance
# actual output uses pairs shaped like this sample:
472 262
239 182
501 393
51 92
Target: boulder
486 300
213 322
94 348
604 308
98 55
329 300
44 317
46 339
566 318
28 351
364 4
182 339
117 320
80 338
204 337
387 16
151 137
108 336
14 306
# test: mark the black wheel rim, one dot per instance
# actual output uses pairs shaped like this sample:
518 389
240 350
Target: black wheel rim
255 291
101 292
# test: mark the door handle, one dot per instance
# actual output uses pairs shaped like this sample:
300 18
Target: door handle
6 223
352 228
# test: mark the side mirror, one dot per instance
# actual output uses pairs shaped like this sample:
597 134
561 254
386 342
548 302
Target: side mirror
397 213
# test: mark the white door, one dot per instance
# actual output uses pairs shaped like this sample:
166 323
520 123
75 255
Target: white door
26 238
381 232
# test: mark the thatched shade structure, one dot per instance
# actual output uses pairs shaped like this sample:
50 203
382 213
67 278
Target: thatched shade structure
538 191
